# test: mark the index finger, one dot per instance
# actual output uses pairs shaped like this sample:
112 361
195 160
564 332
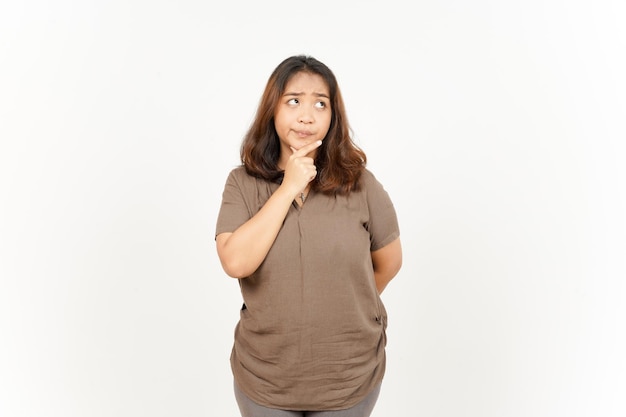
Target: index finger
307 148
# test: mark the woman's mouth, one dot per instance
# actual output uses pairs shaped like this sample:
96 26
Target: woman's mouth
303 133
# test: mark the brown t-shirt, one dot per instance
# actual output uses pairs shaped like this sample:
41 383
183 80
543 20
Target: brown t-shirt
311 334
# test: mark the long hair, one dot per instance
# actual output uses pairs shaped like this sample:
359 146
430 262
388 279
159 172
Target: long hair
339 160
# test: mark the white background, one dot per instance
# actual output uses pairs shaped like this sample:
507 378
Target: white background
497 127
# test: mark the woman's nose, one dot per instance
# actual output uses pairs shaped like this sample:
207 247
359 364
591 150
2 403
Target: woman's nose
305 116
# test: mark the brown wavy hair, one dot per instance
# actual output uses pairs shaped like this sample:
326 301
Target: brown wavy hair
339 160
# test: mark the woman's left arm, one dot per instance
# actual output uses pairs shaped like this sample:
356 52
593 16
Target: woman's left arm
387 262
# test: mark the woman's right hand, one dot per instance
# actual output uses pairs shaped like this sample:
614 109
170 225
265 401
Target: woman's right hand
300 169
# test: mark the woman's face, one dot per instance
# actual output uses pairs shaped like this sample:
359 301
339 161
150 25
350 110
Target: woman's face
303 113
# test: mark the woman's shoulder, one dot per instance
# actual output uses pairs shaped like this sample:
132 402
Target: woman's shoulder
366 174
238 170
368 179
371 185
239 174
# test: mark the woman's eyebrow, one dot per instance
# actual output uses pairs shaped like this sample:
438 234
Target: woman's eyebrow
294 93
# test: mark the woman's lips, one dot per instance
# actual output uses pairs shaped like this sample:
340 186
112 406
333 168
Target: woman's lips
303 133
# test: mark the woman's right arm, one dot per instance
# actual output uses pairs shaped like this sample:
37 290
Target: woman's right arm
242 251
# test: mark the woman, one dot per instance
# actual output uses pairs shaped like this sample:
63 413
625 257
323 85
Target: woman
313 238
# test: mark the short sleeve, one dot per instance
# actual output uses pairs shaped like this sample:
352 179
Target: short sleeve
233 211
382 224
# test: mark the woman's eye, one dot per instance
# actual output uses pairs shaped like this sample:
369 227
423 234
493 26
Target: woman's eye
320 104
293 101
